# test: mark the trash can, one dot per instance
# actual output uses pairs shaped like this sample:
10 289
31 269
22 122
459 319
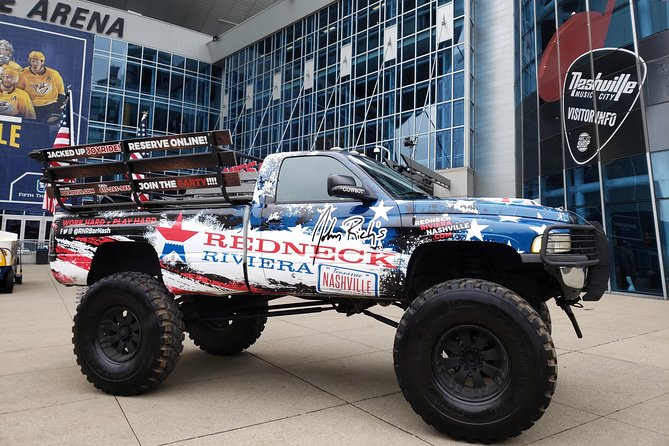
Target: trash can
42 256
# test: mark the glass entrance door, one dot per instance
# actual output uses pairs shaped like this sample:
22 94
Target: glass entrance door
28 227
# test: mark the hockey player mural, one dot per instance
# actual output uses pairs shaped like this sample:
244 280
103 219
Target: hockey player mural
37 64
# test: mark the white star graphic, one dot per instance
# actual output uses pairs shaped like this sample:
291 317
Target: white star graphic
475 230
538 229
381 211
509 218
540 216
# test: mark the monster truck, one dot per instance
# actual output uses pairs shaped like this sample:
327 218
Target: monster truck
183 239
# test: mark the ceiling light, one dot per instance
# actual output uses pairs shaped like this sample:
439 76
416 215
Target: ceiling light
228 22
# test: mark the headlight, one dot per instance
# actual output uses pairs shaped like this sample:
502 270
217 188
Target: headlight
557 244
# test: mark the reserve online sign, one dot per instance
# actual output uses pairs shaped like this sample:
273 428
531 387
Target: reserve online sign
598 98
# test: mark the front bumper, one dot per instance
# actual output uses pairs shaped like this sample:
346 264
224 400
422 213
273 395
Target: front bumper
585 267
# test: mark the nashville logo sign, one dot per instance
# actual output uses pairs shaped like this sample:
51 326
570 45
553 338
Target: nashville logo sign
597 101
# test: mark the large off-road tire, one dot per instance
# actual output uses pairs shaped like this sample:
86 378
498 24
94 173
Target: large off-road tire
8 282
228 337
475 361
542 309
127 333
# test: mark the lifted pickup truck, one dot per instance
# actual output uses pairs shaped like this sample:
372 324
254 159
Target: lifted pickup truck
184 241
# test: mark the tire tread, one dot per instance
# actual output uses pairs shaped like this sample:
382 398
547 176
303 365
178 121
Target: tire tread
519 303
171 329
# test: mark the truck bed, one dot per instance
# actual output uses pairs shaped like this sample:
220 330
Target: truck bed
178 171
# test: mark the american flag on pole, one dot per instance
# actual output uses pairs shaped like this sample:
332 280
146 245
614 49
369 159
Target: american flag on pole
141 133
63 139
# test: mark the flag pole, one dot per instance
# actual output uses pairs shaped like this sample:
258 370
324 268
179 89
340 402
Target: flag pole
73 139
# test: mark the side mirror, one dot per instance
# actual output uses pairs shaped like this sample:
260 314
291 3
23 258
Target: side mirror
343 186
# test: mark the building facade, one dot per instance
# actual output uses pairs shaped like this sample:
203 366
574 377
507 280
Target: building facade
361 74
563 101
593 116
118 66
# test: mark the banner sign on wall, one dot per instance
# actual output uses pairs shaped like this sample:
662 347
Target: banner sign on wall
597 101
38 62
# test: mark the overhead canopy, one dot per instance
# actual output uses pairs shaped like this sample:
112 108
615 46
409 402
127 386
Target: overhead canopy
212 17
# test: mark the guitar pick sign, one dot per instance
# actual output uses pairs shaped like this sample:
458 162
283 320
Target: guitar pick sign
599 99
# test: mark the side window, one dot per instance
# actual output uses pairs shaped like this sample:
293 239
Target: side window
305 179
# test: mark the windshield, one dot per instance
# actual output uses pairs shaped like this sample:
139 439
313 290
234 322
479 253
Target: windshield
394 183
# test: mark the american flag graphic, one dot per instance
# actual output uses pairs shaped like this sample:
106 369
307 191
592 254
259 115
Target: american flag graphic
141 133
63 139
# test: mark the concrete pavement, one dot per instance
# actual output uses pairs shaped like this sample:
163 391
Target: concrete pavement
321 379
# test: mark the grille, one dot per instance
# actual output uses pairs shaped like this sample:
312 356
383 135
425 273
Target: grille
570 245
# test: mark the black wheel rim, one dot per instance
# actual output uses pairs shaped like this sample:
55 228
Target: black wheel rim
471 364
119 334
218 325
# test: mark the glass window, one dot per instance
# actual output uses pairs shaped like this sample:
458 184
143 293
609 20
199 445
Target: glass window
459 58
95 134
174 123
13 226
304 179
459 147
112 135
660 161
100 70
178 62
163 83
130 110
663 215
102 43
190 89
552 192
134 51
458 113
459 8
459 85
188 121
177 87
132 77
148 80
214 121
443 160
119 47
444 116
114 109
635 262
215 96
203 93
217 72
164 58
191 65
445 65
626 180
160 117
31 230
444 88
201 122
150 55
652 16
205 68
116 73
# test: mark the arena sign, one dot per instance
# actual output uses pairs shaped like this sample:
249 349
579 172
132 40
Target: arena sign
64 14
598 98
